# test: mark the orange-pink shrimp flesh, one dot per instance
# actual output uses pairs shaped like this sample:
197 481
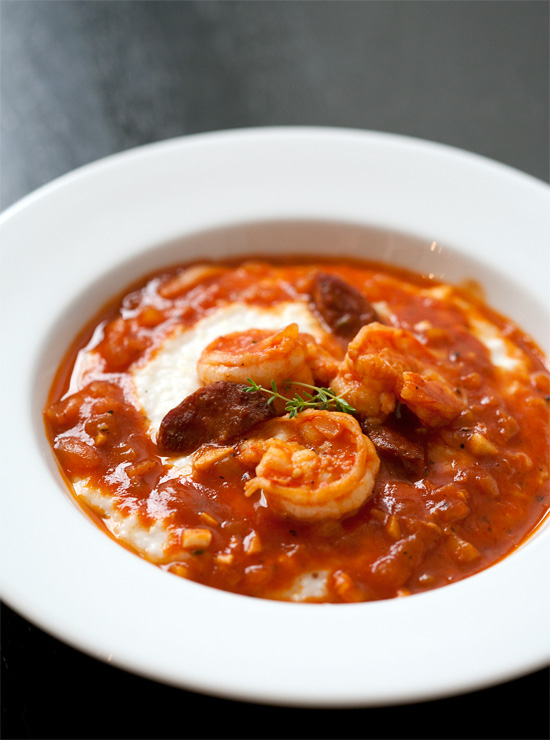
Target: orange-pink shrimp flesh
384 365
318 465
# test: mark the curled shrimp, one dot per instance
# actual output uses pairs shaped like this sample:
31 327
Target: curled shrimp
318 465
268 357
260 354
384 365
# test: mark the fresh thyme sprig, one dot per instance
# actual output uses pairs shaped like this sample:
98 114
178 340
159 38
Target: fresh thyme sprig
319 398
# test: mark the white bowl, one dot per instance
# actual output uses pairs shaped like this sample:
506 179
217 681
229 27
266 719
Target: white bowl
73 244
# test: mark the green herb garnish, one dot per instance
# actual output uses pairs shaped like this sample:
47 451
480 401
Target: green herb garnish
318 398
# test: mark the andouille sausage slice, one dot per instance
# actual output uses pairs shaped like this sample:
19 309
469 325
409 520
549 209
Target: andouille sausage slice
215 413
391 443
342 307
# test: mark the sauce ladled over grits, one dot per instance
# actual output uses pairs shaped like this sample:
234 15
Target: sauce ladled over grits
306 431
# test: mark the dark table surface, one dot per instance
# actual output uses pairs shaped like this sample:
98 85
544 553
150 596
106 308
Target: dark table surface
84 79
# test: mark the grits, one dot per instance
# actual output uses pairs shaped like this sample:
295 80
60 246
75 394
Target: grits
171 373
151 542
159 383
436 469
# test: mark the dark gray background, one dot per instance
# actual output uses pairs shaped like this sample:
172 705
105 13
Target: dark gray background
81 79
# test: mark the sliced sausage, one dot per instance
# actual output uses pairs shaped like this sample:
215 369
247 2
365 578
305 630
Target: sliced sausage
215 413
343 308
393 444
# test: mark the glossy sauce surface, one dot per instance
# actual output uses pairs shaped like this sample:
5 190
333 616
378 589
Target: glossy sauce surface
449 499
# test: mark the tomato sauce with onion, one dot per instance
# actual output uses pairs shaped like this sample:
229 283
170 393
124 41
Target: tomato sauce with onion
448 502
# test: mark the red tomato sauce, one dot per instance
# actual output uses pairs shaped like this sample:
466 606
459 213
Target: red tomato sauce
447 502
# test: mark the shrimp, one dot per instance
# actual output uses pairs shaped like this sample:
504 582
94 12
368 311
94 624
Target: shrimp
384 365
321 361
265 356
318 465
259 354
